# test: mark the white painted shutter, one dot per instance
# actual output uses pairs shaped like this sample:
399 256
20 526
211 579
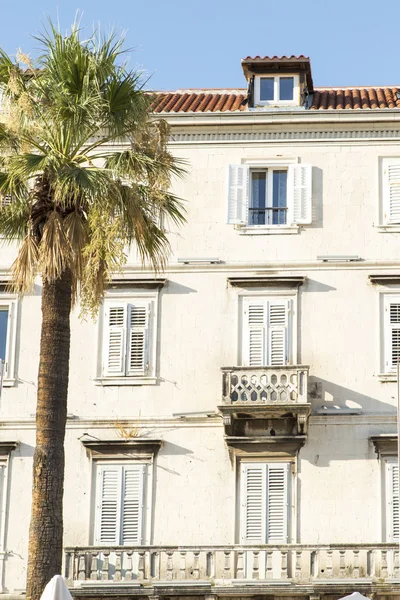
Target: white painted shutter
254 321
115 339
392 487
277 503
109 505
132 504
299 194
392 333
392 191
138 351
238 192
253 503
278 332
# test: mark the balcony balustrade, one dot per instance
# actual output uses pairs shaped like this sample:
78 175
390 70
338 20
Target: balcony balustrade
232 565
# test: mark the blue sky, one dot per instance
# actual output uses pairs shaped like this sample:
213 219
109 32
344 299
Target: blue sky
182 43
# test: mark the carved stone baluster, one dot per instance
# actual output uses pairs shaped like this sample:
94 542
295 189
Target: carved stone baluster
182 567
155 565
240 565
170 565
210 564
396 564
298 564
284 564
129 565
256 565
342 563
314 564
227 564
329 563
356 563
268 565
141 565
371 566
106 565
82 567
118 565
196 564
93 566
384 563
67 566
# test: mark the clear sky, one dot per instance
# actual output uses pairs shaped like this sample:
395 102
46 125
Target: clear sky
186 43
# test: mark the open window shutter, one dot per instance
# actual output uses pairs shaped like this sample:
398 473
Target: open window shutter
277 503
138 350
393 501
109 504
300 194
115 339
278 332
254 320
392 333
392 191
238 190
253 503
132 504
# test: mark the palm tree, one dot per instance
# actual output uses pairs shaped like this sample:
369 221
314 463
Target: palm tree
88 173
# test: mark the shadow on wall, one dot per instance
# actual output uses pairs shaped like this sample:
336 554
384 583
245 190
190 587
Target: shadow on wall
317 194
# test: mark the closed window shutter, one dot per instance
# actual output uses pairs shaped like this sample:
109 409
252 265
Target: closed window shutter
278 332
277 503
300 194
109 504
254 322
115 339
238 190
132 504
392 334
392 172
253 487
393 501
138 351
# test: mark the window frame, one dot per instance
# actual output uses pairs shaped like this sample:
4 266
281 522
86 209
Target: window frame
387 512
386 296
269 195
11 303
126 297
384 221
277 101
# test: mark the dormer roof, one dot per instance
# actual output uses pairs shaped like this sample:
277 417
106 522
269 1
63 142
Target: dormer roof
258 65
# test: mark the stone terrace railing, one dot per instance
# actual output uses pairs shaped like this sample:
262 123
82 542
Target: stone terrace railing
291 563
264 385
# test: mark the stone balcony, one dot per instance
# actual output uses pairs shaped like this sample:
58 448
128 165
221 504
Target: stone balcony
293 569
270 394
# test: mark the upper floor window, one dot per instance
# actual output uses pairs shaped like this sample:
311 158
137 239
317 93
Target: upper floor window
391 333
8 316
390 191
391 477
269 196
278 89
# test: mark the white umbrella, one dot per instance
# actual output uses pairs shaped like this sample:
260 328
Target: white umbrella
355 596
57 589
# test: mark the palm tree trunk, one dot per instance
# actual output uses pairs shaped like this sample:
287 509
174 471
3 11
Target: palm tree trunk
46 528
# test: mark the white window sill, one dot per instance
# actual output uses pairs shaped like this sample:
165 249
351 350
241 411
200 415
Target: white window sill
387 377
267 229
105 381
392 228
9 382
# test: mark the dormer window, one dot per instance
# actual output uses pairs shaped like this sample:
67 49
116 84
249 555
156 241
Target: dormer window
279 89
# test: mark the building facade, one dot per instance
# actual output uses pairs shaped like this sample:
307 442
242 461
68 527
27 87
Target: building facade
232 421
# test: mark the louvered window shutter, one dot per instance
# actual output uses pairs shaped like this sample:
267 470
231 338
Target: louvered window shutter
254 322
115 339
300 194
278 332
238 191
277 503
392 192
253 503
109 505
392 333
138 351
393 501
132 504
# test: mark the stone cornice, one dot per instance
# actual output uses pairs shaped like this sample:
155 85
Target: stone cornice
289 281
145 448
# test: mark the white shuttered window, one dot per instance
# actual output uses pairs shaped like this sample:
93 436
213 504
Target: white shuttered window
391 333
392 500
266 335
264 503
127 339
391 190
271 196
119 504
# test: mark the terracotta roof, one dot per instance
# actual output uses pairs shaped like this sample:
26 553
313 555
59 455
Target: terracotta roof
188 101
276 58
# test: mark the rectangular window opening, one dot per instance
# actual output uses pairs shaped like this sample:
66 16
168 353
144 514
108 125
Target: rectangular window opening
3 332
268 197
267 85
286 88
